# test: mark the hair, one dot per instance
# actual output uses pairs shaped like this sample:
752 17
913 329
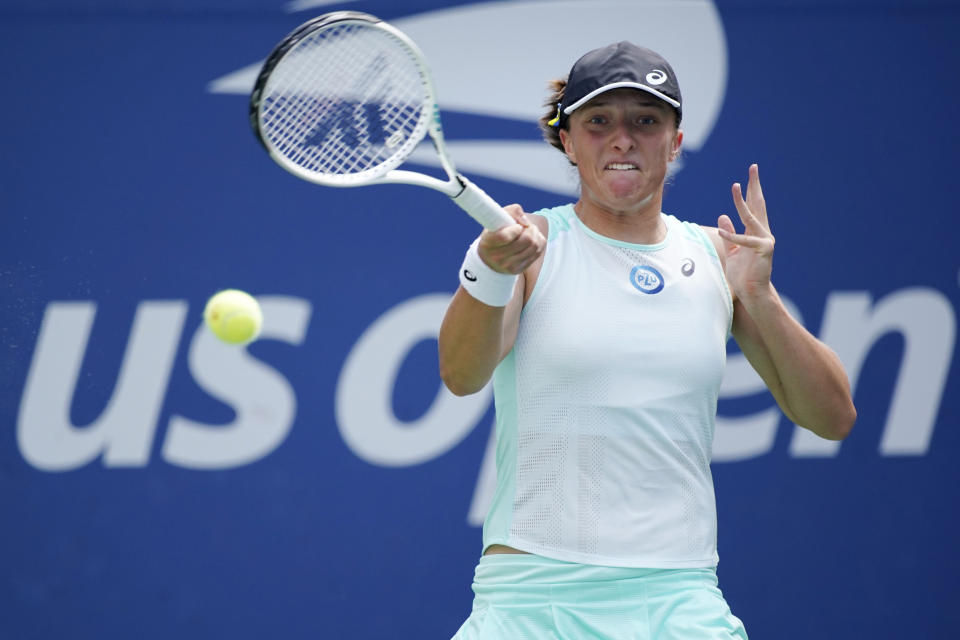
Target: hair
550 132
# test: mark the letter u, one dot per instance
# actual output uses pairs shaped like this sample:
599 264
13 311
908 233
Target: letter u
125 429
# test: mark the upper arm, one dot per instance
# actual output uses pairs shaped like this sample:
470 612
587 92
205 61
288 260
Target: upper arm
721 250
528 281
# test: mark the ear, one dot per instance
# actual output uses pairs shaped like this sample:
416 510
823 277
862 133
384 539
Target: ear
567 141
677 141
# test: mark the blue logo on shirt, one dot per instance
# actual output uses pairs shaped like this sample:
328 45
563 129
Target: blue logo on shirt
646 279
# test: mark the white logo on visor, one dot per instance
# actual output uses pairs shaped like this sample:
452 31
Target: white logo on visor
656 77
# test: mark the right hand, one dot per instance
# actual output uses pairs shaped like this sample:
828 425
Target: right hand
513 248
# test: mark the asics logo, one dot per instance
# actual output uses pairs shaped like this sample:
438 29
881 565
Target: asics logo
656 77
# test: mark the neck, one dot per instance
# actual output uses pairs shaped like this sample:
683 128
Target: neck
641 223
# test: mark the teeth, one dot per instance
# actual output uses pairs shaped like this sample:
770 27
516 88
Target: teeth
619 166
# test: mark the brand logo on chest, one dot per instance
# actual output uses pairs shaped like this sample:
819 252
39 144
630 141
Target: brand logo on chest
646 279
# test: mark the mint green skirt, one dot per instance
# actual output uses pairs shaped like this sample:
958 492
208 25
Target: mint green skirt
519 596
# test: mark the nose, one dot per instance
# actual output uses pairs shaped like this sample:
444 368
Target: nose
622 140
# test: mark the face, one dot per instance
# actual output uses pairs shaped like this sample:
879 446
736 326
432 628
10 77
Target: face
621 142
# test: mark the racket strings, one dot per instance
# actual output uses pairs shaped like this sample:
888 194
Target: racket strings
346 99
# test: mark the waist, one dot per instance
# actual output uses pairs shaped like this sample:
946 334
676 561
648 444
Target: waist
497 549
528 579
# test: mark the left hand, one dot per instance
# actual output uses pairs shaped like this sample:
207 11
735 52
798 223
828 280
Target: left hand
750 254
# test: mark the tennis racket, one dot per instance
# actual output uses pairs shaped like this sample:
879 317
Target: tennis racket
345 98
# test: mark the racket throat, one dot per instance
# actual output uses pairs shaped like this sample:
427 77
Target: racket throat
480 206
463 182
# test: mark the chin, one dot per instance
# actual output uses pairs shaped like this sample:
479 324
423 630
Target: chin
629 194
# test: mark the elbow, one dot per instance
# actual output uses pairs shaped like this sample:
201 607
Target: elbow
461 389
842 424
847 425
459 375
835 424
458 384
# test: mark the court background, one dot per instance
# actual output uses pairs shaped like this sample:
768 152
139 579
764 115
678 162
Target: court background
319 484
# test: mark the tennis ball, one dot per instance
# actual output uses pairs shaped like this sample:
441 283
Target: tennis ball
234 316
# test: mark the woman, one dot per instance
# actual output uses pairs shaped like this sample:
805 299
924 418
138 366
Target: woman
603 325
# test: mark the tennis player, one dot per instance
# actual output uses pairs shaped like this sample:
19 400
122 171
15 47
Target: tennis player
604 326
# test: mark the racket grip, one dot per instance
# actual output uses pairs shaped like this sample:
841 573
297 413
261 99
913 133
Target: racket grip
482 207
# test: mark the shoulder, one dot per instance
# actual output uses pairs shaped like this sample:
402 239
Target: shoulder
720 247
552 220
708 237
541 221
713 234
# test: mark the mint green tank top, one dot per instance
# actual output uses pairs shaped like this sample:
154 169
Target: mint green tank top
606 403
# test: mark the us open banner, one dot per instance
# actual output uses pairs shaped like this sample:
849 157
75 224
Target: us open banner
321 482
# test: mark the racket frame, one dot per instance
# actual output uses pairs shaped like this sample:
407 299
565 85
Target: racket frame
463 192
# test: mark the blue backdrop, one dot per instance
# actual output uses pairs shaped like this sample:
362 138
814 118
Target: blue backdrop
155 483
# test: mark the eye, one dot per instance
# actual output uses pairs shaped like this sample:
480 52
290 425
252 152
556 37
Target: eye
597 119
646 120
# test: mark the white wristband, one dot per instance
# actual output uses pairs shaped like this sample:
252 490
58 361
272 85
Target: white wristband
483 283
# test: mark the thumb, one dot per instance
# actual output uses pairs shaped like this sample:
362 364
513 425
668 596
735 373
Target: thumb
516 212
725 226
724 222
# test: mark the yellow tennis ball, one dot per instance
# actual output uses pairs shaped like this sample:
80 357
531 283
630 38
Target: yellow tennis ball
234 316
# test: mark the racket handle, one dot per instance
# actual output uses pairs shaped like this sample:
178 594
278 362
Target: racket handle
482 207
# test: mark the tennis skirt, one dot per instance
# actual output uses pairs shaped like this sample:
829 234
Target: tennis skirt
519 596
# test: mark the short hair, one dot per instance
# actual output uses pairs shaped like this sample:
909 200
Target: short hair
551 132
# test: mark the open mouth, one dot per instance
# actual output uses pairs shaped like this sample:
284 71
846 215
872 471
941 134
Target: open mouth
620 166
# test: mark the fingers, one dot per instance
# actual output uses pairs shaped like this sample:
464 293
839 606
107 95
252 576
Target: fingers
753 212
515 247
508 234
753 178
725 224
763 244
516 212
521 253
502 237
746 216
755 200
519 261
727 231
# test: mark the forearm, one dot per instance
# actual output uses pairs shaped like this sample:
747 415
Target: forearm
473 339
804 375
475 335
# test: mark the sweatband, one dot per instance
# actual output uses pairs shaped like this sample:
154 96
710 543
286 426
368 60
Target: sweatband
483 283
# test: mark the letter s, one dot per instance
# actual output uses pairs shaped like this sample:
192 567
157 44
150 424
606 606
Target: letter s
263 399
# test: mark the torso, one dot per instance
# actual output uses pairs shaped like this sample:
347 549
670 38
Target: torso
617 308
530 278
